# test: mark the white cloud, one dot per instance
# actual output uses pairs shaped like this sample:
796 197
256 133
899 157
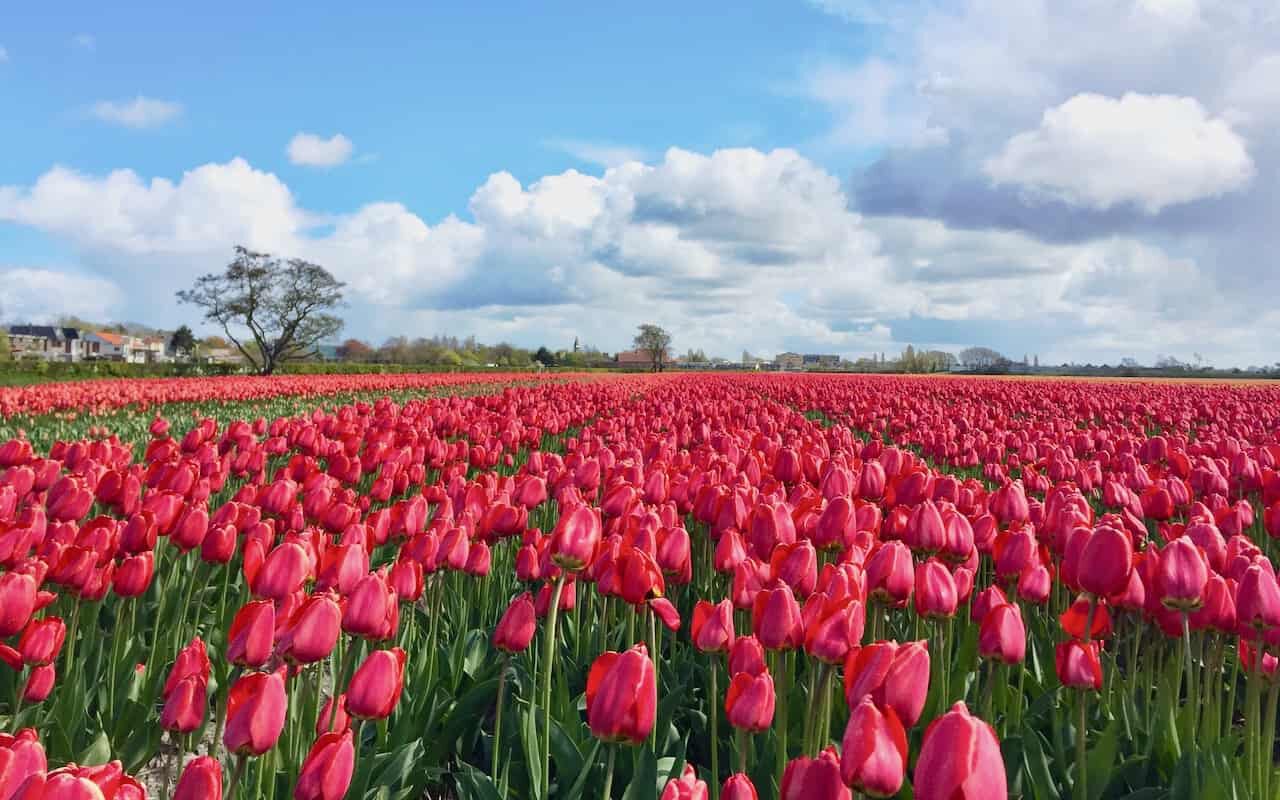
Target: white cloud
310 150
872 103
601 154
1150 150
733 249
84 40
140 112
41 295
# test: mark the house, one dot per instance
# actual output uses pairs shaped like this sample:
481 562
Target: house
47 342
821 361
155 349
640 359
789 361
110 346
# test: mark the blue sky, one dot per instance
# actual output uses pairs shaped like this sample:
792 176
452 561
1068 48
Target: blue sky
838 176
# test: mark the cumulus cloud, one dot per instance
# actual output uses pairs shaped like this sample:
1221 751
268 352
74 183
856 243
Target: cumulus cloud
310 150
1150 150
737 248
33 295
140 112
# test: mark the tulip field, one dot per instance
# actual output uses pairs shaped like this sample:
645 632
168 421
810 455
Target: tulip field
683 586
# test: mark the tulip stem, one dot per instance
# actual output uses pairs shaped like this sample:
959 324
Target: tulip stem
655 657
784 691
713 711
742 750
1269 740
549 651
1190 673
497 716
236 775
608 773
1082 776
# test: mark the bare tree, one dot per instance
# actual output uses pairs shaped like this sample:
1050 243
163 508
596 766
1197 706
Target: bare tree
283 305
653 340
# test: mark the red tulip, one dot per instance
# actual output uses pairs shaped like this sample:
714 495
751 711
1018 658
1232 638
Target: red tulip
875 750
375 689
891 574
252 634
40 683
959 758
17 602
746 655
185 705
574 540
192 662
836 626
895 676
373 609
330 720
201 780
256 708
133 577
1035 583
1257 600
1182 574
21 756
686 787
326 771
776 618
738 787
312 630
935 593
1003 636
622 696
282 573
42 641
749 703
1074 619
1105 562
1078 665
807 778
517 627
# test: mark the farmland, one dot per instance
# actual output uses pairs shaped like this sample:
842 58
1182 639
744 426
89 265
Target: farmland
686 586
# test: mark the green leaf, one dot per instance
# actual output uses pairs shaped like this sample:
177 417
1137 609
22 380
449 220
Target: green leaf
567 756
1101 761
532 753
476 652
98 752
1042 785
400 766
644 781
472 784
575 791
468 712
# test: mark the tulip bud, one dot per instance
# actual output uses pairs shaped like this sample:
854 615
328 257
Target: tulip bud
1003 636
375 688
686 787
959 757
201 780
256 709
749 703
738 787
326 771
1078 665
712 627
875 750
622 696
806 778
1182 574
517 627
